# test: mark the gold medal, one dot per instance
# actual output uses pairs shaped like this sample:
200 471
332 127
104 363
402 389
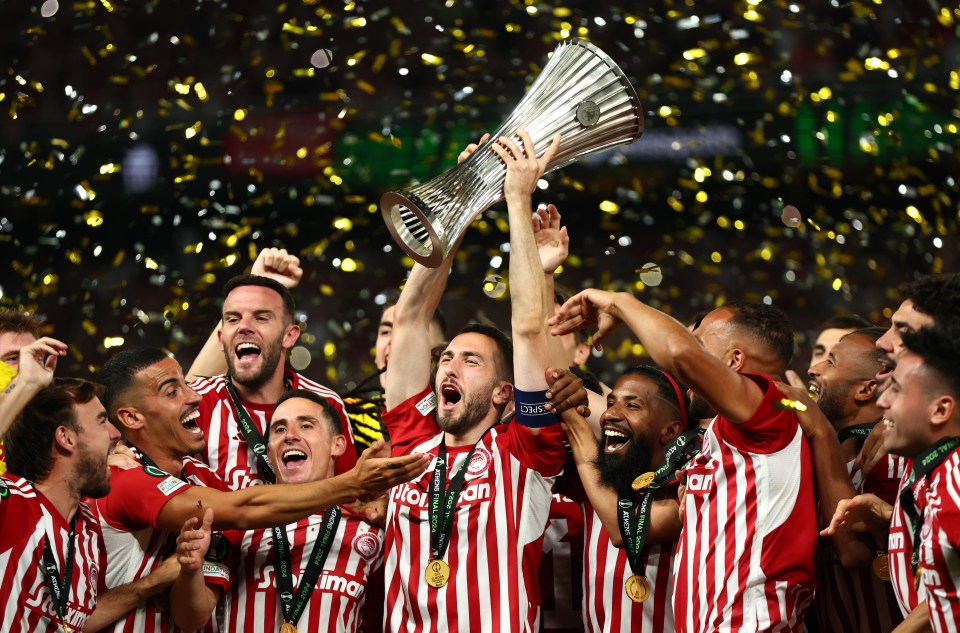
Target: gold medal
637 588
642 481
916 578
286 627
881 567
437 573
66 627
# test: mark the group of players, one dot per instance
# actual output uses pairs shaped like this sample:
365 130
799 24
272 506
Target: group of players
237 502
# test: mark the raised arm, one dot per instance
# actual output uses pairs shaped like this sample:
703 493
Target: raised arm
528 312
37 364
266 506
192 601
670 345
275 263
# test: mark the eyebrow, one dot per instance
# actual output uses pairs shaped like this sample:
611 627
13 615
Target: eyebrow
386 323
299 418
903 324
172 379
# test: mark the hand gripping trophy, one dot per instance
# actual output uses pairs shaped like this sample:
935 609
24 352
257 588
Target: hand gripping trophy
581 94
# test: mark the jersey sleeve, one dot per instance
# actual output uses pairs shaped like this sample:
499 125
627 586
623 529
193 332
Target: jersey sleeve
411 421
769 430
222 558
543 452
137 495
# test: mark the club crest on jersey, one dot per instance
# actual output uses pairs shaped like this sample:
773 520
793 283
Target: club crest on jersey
479 462
428 404
367 545
94 575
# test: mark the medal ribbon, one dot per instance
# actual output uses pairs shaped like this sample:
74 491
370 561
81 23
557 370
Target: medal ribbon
292 603
922 465
441 518
251 434
860 431
60 588
635 519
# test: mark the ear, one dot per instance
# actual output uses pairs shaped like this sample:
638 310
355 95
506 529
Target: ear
220 335
65 439
670 432
291 336
129 419
866 391
943 411
502 393
735 359
581 354
339 446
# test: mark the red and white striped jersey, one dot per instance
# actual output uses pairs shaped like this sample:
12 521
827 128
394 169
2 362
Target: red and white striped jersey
561 568
900 547
337 601
134 544
606 606
746 553
940 546
227 451
856 600
497 535
27 519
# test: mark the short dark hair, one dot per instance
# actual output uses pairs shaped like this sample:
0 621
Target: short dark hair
939 347
937 296
766 323
121 370
872 334
845 322
289 305
333 416
439 318
29 441
590 380
18 323
504 361
675 398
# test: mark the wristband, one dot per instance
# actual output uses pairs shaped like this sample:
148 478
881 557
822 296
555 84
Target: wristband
531 409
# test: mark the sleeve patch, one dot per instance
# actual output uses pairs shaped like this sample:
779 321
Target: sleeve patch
428 404
169 485
216 571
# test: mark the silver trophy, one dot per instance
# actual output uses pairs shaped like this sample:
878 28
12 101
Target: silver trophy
581 94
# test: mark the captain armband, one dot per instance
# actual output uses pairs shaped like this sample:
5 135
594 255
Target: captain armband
531 409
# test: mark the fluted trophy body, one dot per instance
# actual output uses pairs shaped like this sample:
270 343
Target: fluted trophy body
581 94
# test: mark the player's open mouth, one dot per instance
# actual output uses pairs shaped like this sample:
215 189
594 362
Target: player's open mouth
189 422
886 368
814 389
293 459
615 440
247 352
450 396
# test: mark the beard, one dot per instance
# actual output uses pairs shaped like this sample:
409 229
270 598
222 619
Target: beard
618 472
831 403
699 408
269 359
92 475
474 409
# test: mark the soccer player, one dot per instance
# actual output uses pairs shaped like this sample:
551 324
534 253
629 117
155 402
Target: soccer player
745 557
628 482
463 540
50 541
853 579
323 562
257 328
147 397
932 300
828 335
923 423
